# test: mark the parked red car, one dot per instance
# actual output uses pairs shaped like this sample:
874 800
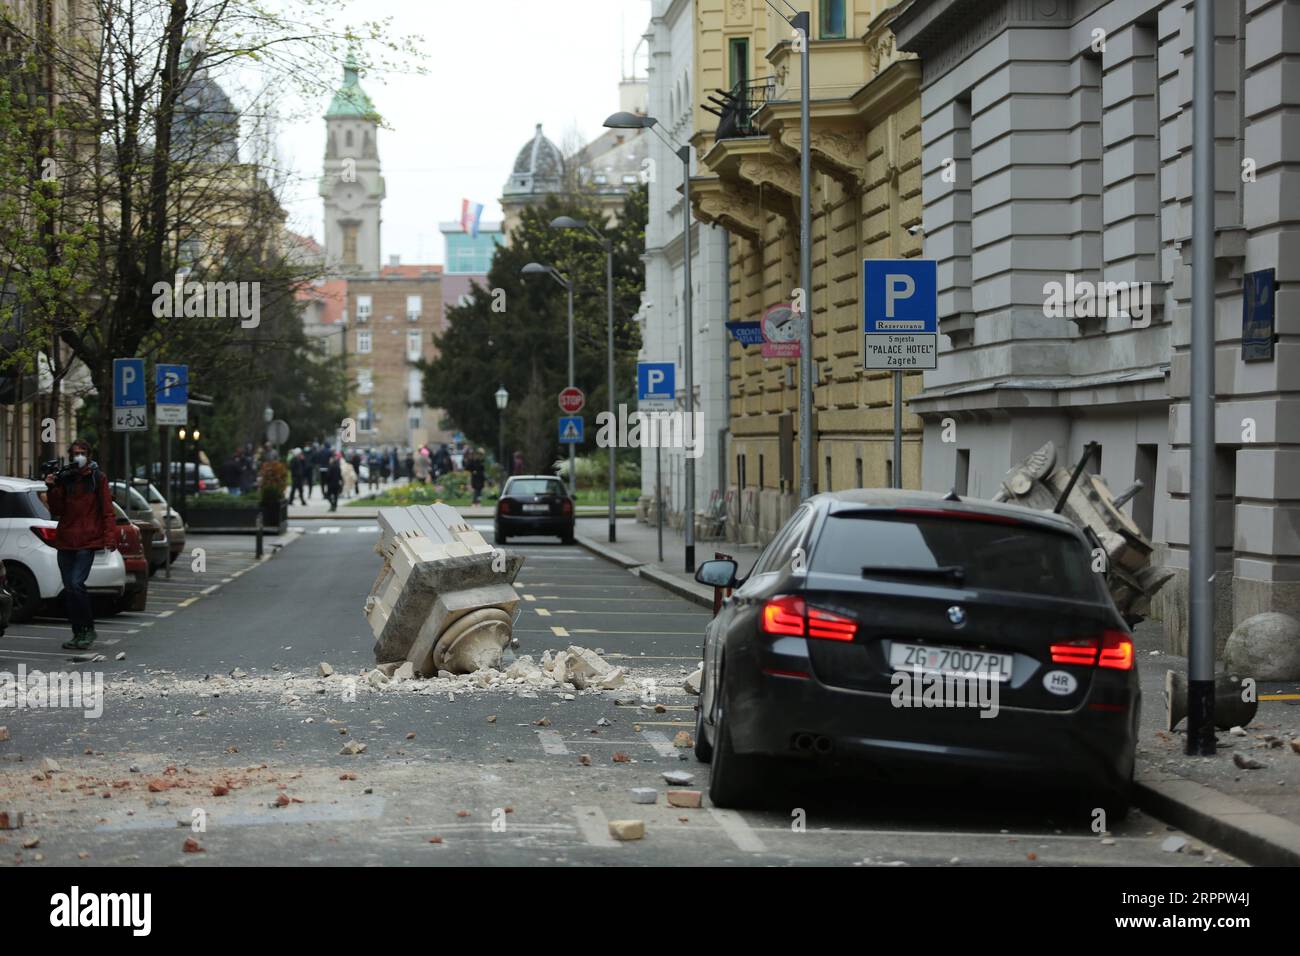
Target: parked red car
132 548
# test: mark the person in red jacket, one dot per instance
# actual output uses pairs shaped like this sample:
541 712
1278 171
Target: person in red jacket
80 499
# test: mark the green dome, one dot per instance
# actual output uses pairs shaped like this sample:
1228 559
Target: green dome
351 99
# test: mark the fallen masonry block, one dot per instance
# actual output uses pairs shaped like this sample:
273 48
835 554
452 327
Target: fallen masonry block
683 798
11 819
627 829
643 794
444 599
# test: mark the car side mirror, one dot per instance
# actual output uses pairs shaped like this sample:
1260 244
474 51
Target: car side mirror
719 573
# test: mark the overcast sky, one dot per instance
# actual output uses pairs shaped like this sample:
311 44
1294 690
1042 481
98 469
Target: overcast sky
496 69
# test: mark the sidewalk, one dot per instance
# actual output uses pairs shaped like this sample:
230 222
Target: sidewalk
1252 813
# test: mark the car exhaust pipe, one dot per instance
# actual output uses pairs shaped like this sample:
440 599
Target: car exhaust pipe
803 742
823 745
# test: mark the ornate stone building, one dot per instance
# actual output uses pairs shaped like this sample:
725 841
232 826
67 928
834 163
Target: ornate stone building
352 187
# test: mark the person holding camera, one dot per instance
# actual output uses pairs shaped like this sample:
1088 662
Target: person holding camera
80 500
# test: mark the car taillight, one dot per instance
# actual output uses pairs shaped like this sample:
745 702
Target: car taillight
784 615
504 506
1116 651
45 534
203 485
566 507
830 626
1113 650
791 615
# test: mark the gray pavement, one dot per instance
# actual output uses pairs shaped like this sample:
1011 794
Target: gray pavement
181 740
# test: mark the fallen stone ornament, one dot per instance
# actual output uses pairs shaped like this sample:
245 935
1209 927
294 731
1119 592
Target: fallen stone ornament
1037 482
444 599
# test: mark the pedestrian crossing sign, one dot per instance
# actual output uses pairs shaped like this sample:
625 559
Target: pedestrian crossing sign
571 430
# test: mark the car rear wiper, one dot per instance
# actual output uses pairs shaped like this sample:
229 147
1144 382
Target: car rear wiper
954 571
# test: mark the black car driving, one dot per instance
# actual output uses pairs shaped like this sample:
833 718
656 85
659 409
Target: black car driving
910 636
534 504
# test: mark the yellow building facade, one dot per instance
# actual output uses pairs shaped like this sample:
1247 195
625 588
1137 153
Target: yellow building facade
866 181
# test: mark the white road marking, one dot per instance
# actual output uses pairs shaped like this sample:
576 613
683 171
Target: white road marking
559 632
594 826
662 745
552 743
542 612
734 825
210 589
329 530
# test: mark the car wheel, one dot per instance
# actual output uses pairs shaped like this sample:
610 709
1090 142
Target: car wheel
26 592
498 537
566 538
736 780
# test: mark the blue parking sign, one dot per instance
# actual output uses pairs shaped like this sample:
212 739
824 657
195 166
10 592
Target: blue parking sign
172 386
656 384
128 383
900 295
571 430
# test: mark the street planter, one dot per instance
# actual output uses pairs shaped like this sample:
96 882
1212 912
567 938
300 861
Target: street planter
232 519
275 515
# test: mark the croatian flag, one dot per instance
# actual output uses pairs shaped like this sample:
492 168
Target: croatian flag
470 214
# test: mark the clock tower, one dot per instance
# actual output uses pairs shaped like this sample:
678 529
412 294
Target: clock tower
352 187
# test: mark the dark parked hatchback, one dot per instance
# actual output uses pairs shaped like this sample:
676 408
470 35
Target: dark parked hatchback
534 504
867 601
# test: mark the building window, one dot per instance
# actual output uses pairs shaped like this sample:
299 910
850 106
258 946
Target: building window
365 381
414 346
416 419
363 342
739 60
414 308
961 480
414 387
347 138
349 244
833 20
364 306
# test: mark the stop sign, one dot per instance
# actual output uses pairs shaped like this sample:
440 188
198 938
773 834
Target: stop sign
572 400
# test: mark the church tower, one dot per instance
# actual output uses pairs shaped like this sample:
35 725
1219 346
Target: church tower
352 187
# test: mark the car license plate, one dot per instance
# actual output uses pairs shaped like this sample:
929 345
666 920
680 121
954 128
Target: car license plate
536 508
957 661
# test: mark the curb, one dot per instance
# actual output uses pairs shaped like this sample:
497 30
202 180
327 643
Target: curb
1237 827
697 594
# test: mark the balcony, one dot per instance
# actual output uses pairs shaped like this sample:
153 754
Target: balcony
737 107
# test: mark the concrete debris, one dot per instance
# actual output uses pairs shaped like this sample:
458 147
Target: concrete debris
324 669
121 656
1173 844
352 748
687 799
678 778
405 672
1238 731
1247 763
4 734
389 669
683 741
50 765
692 683
31 843
376 678
627 829
192 845
604 722
643 794
238 674
11 819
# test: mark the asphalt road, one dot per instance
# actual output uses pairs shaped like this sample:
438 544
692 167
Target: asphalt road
476 773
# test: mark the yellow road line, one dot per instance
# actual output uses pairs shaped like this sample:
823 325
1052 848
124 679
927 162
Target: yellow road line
542 612
559 632
188 601
529 597
1279 696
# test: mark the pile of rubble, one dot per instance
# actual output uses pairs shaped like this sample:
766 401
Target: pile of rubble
575 669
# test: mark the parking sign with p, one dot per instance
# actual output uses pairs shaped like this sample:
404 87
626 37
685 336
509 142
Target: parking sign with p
900 321
656 385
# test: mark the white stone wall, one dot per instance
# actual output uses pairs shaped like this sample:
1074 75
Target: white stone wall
1075 157
671 38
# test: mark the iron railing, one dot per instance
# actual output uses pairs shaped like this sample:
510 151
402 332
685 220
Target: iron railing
737 107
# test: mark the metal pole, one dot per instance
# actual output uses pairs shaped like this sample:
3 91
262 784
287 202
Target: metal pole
1200 625
166 470
689 357
898 430
573 472
659 503
801 23
609 293
501 444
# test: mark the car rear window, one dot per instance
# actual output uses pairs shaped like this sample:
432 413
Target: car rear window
992 556
535 486
23 504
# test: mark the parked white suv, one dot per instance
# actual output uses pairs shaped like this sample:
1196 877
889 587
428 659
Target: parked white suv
30 559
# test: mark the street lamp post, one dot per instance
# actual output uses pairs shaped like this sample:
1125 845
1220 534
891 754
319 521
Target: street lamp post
568 222
637 121
535 269
503 398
